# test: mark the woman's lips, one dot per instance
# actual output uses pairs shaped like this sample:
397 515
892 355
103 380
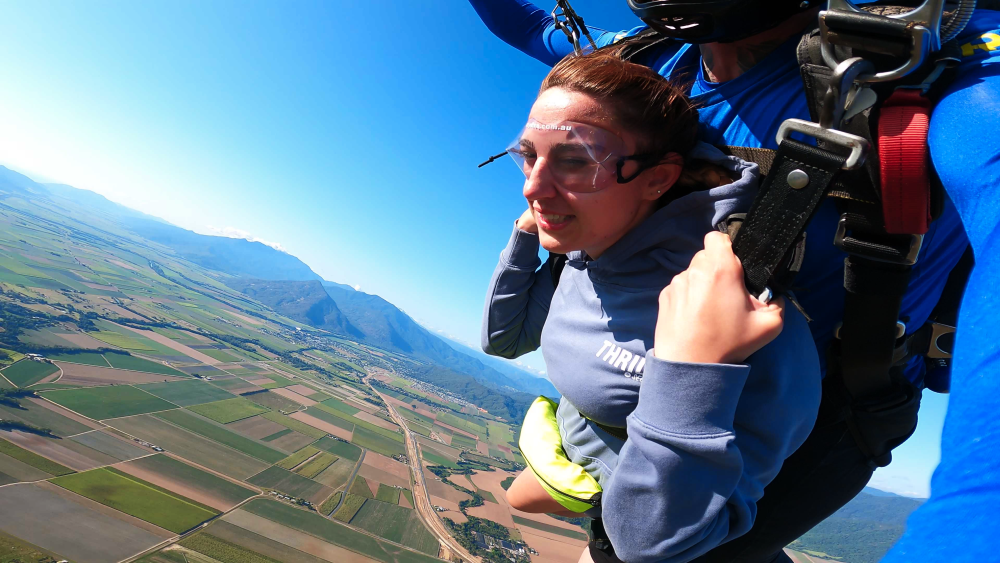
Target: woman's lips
552 221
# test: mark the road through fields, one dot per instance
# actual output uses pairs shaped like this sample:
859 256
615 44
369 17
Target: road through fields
420 497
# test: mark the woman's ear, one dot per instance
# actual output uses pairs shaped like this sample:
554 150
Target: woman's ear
663 176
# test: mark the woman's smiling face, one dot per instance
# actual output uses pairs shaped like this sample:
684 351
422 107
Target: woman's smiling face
588 221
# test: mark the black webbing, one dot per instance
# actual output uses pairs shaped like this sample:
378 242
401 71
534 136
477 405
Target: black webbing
780 213
869 331
555 263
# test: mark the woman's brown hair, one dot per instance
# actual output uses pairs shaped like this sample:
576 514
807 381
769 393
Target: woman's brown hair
645 103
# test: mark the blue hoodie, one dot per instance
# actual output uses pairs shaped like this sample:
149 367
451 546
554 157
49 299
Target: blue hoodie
703 439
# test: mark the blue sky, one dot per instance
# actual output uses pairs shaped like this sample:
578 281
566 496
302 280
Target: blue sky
345 132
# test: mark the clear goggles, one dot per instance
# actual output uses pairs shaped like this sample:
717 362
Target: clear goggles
580 157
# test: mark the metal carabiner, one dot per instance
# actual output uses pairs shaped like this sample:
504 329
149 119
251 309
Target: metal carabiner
925 34
565 18
842 92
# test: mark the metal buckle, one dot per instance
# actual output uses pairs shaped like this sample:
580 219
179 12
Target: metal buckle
934 351
858 145
916 241
925 35
900 330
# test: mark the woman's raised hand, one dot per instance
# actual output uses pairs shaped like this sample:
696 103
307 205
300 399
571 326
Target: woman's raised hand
706 314
527 222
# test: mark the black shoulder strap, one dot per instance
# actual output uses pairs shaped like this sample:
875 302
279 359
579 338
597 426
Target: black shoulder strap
555 263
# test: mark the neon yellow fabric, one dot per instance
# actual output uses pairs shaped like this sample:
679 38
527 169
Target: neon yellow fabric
541 446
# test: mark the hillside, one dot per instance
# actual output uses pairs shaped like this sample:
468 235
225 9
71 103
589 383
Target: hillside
384 325
375 321
233 256
863 530
304 301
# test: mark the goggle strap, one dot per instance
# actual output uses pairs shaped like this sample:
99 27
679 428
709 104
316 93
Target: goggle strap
493 158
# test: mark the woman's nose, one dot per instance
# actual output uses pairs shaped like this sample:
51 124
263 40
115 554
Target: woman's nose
539 184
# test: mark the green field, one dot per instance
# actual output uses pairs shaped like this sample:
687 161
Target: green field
414 416
550 528
191 446
352 504
316 465
32 459
221 435
377 442
222 550
89 358
409 496
195 478
325 415
339 448
360 488
121 341
498 453
337 418
340 406
500 434
278 380
320 396
330 503
437 459
295 425
487 496
273 401
187 392
221 355
115 401
387 494
463 422
297 457
27 372
335 533
42 417
138 498
463 441
122 361
418 428
395 524
287 482
13 550
276 435
229 410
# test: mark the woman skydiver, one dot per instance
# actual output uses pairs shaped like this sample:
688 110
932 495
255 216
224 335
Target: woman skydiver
681 394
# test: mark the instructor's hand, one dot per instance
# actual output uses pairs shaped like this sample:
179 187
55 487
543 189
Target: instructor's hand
527 222
706 314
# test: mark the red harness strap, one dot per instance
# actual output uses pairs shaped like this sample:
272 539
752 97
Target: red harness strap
904 161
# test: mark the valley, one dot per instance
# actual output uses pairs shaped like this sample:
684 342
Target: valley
155 409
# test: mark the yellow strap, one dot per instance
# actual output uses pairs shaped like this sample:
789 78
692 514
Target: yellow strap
541 446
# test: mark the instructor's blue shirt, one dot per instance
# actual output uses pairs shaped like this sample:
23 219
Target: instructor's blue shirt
955 524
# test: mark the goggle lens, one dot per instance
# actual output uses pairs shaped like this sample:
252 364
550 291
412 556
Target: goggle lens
579 157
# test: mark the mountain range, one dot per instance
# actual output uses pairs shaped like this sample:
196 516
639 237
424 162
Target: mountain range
289 286
863 530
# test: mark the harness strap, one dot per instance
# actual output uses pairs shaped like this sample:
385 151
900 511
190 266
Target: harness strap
869 332
788 198
903 159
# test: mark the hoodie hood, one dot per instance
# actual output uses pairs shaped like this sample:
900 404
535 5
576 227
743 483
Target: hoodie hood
664 244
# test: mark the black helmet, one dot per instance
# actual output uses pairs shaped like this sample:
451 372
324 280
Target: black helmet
709 21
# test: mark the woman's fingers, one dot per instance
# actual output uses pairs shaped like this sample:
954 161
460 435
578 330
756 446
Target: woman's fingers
706 314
